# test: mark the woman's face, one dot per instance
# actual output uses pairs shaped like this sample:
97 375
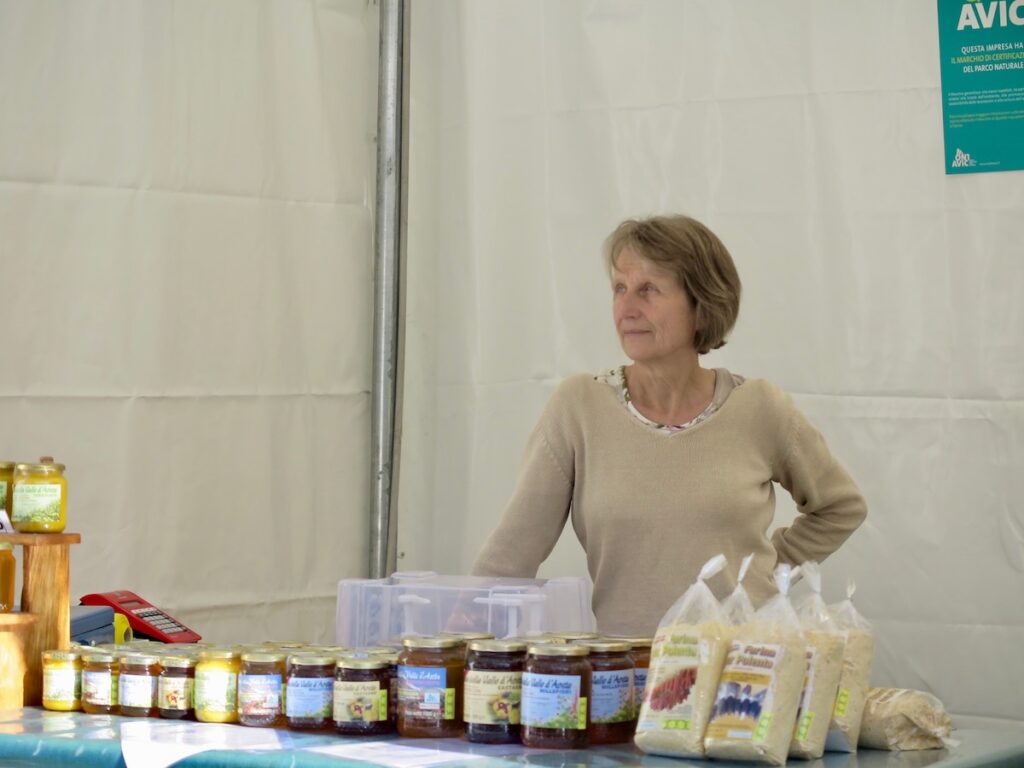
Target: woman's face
653 315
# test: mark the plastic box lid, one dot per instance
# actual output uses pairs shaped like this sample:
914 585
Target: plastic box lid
380 611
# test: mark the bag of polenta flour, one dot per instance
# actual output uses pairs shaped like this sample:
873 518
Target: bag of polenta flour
686 660
858 656
824 665
759 691
900 719
737 606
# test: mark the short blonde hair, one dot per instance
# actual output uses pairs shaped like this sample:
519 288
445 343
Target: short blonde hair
700 262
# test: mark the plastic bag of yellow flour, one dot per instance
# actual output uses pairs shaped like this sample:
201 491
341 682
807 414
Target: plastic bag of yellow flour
759 691
901 719
686 659
858 656
824 666
737 606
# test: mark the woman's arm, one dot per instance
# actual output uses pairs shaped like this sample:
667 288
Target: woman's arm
830 504
533 520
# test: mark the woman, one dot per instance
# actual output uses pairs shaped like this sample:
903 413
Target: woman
663 463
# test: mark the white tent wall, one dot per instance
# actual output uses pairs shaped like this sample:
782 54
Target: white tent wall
886 296
185 232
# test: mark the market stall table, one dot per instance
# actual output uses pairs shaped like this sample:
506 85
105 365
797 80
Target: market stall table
33 736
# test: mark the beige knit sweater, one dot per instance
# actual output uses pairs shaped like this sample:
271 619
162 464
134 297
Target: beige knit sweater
650 508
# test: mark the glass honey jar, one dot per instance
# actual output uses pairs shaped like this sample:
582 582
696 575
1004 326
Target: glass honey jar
260 688
612 710
556 693
430 672
6 486
39 501
62 680
216 686
136 686
100 672
309 692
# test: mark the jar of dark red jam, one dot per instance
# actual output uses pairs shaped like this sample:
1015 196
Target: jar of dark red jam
612 709
493 691
362 696
556 693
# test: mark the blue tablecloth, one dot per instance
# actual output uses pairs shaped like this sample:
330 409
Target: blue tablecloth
34 737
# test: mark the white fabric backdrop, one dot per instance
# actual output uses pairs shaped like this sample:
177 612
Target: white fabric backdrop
884 295
185 238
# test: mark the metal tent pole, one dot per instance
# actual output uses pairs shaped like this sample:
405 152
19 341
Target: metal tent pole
387 244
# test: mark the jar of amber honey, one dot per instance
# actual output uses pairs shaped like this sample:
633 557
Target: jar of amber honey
430 672
100 673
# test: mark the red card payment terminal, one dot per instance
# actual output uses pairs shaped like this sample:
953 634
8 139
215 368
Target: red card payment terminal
144 618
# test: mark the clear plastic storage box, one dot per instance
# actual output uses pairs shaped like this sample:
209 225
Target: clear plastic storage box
380 611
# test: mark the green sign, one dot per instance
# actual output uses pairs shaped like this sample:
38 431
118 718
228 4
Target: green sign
981 49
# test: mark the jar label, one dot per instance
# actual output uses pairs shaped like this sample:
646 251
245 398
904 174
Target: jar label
424 692
175 693
611 696
137 691
362 701
554 701
99 688
259 695
310 697
676 657
62 684
36 503
743 705
493 698
215 691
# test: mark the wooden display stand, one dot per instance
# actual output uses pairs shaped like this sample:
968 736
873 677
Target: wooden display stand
44 623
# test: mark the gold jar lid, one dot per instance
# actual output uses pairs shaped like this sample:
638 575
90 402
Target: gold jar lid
7 466
209 654
61 655
605 646
309 660
550 649
432 642
98 658
467 637
139 660
46 466
570 636
363 662
497 646
178 662
263 657
637 641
